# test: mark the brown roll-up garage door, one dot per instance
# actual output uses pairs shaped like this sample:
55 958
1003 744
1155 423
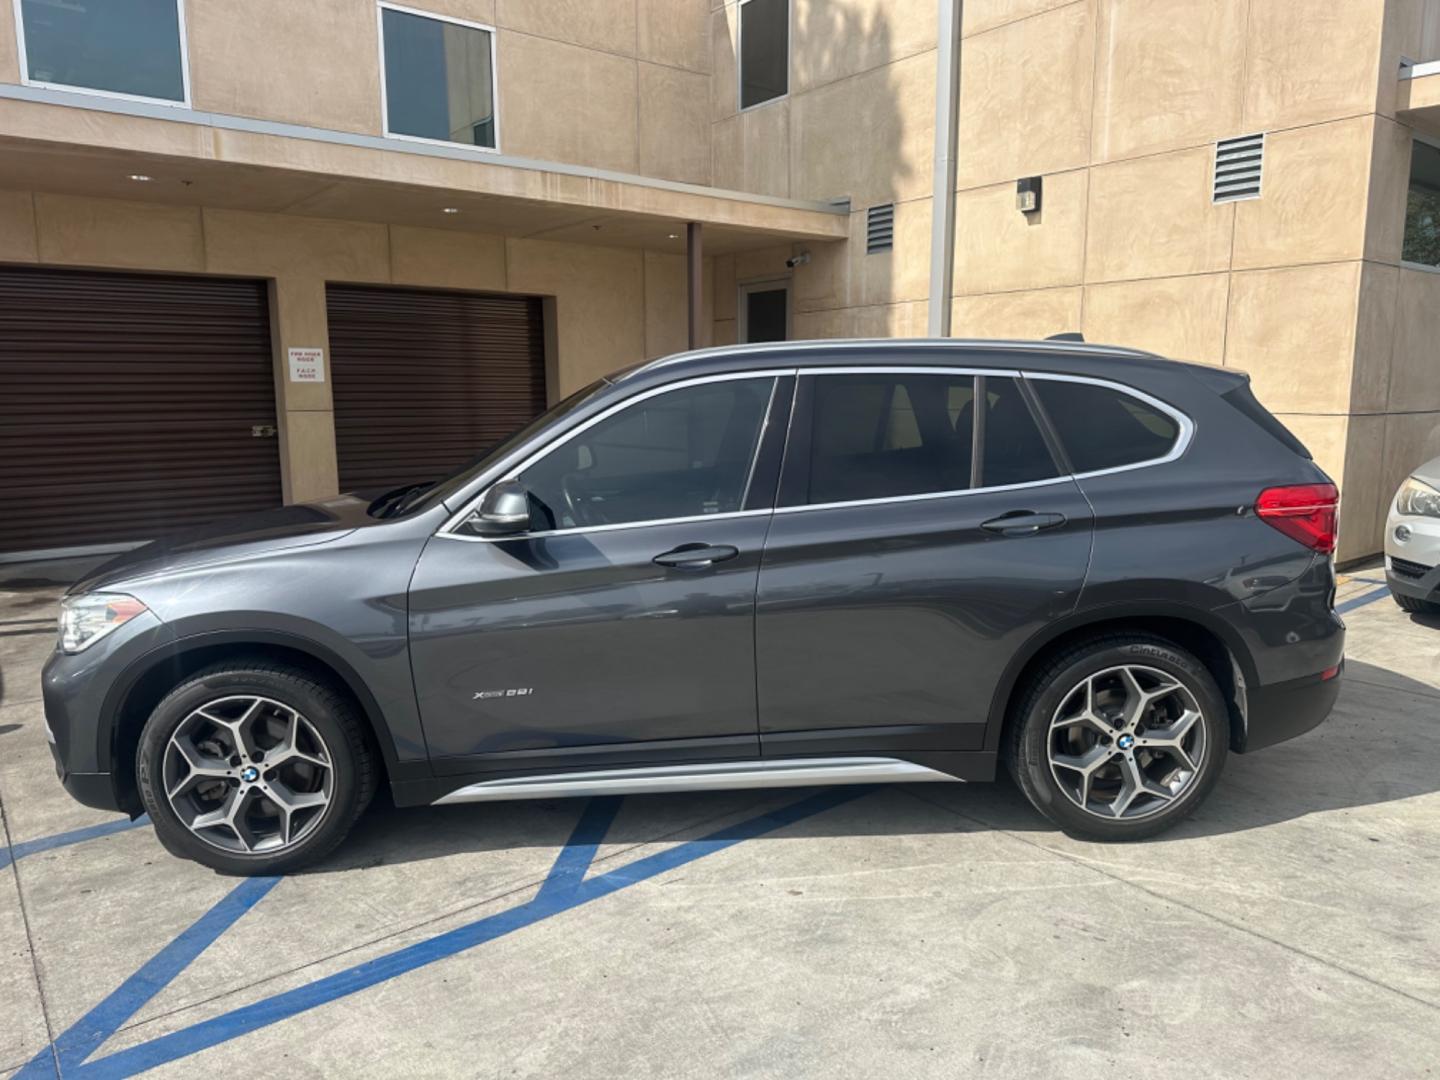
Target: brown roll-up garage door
423 381
127 403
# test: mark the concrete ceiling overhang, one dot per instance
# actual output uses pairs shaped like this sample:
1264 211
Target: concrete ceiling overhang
1418 98
79 144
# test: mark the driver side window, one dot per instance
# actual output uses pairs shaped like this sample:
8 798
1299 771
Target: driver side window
682 453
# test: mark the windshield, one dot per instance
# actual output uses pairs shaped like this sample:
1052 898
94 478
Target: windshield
423 498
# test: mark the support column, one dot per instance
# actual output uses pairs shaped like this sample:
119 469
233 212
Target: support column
304 411
942 202
694 268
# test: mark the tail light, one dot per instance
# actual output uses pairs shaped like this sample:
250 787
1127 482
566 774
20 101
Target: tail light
1308 513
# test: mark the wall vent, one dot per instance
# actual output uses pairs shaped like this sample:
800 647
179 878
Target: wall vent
880 228
1238 165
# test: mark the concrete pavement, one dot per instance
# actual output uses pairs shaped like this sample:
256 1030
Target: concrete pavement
1289 929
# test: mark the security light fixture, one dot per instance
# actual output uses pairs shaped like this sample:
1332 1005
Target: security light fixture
141 177
450 210
1027 195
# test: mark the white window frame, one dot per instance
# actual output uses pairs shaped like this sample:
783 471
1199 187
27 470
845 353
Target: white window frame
740 58
742 312
380 9
25 79
1426 268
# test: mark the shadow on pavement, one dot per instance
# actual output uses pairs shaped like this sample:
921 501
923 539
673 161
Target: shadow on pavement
1381 744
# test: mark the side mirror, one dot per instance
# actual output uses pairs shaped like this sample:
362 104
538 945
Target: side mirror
504 511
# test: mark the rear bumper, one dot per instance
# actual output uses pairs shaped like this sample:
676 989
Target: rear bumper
1284 710
1293 636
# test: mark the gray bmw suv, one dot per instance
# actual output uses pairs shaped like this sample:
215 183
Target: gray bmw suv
803 563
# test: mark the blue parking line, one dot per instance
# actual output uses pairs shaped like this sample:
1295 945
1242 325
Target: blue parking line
87 1034
1363 599
576 856
16 852
571 891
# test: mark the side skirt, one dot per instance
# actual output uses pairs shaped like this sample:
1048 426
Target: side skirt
729 776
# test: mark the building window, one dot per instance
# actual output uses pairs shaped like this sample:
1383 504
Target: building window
130 48
438 78
764 51
1422 208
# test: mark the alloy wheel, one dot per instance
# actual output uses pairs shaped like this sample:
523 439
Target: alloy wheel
248 774
1126 742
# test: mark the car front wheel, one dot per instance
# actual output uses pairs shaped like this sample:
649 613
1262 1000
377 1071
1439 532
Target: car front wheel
1119 738
1416 606
253 768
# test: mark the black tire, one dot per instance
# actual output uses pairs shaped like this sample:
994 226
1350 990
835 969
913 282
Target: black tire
1052 687
1416 606
333 718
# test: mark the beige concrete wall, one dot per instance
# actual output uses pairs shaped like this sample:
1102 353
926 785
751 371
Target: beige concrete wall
1118 104
615 84
9 58
613 306
858 122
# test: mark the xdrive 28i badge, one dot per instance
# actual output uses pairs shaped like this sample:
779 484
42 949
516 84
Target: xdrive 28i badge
514 691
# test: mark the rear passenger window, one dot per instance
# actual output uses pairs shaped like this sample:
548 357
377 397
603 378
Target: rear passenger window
879 436
1014 450
1104 428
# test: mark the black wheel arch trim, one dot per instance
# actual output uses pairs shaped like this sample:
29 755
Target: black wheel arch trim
178 648
1097 616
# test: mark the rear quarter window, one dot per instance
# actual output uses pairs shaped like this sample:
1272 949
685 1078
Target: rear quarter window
1103 427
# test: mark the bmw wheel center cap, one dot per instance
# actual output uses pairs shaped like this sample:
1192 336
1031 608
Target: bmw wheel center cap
250 773
1125 742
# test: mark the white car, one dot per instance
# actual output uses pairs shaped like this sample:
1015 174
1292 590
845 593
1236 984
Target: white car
1412 541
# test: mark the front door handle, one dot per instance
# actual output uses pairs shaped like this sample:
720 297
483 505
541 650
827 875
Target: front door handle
696 556
1022 523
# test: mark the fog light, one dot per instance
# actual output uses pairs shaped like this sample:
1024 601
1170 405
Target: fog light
1402 533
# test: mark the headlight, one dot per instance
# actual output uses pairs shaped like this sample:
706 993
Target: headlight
1418 499
85 619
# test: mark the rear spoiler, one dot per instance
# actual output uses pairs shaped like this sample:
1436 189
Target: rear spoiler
1219 379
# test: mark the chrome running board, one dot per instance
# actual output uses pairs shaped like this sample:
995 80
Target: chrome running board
727 776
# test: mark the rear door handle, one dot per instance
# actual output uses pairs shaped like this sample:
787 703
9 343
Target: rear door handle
696 556
1022 523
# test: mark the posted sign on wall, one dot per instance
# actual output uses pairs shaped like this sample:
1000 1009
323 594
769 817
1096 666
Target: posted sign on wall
307 365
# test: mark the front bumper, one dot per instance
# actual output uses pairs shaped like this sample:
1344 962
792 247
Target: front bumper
1413 579
89 789
1412 555
79 693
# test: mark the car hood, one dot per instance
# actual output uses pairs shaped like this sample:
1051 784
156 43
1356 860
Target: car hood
234 538
1429 473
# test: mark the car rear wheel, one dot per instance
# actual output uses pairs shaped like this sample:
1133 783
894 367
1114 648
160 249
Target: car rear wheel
1120 738
252 768
1415 605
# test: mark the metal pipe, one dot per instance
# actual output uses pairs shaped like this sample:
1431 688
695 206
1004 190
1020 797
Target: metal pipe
694 268
942 203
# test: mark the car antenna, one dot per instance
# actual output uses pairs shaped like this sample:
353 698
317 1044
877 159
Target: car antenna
1068 336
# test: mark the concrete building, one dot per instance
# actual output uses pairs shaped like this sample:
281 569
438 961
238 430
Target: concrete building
260 251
